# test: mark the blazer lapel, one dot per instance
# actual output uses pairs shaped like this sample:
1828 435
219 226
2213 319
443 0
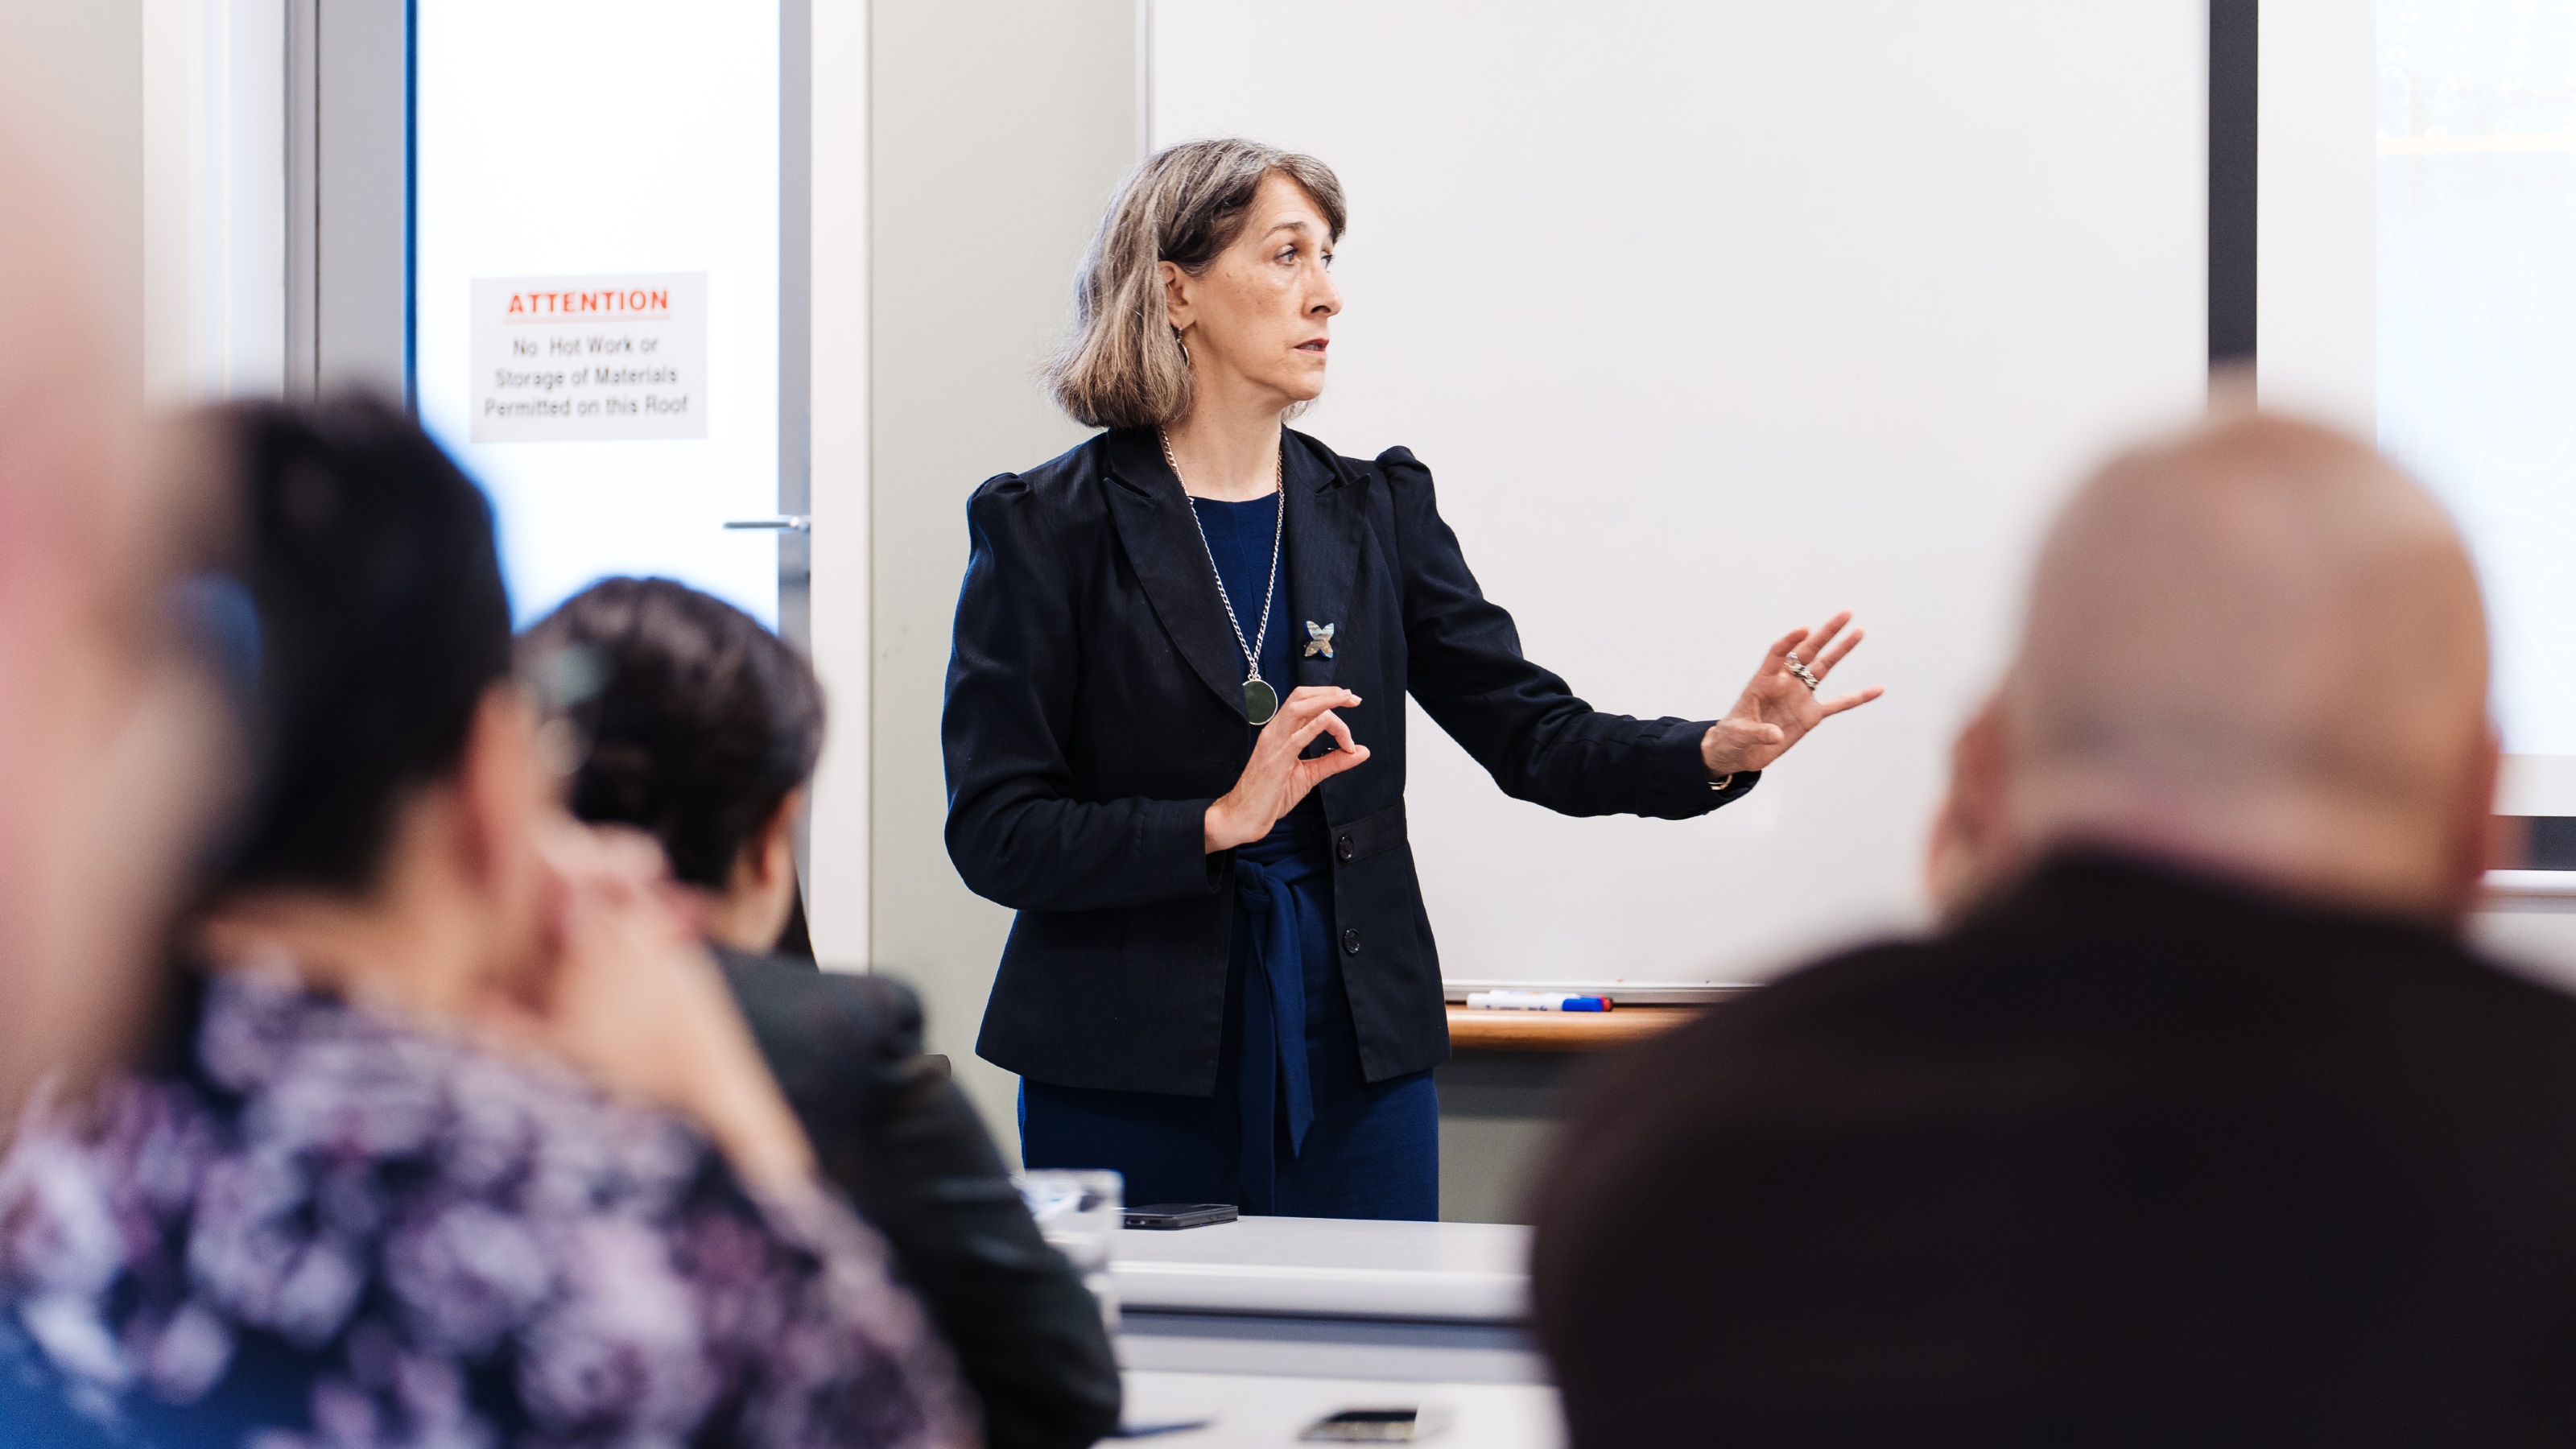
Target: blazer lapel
1152 516
1323 553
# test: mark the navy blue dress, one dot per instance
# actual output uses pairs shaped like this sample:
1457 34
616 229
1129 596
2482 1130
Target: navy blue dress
1294 1128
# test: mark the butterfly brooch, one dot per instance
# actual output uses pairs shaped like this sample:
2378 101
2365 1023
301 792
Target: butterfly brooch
1319 639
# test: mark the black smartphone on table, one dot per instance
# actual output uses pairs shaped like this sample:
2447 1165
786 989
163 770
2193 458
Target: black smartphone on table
1403 1425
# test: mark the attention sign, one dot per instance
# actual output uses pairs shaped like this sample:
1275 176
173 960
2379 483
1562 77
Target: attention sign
584 359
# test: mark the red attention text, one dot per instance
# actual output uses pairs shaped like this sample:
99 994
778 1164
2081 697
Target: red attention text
575 304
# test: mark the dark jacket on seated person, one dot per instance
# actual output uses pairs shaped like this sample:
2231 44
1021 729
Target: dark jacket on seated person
2133 1156
702 728
897 1135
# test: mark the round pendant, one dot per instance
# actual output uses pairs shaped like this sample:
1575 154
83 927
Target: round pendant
1260 701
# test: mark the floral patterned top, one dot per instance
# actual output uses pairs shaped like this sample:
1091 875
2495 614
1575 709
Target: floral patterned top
330 1229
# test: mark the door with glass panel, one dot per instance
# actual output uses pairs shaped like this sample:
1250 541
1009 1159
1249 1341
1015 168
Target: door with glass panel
597 288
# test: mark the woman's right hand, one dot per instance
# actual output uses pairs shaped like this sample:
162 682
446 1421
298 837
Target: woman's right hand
1276 779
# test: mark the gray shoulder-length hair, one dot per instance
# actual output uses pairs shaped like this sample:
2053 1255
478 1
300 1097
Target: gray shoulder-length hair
1124 367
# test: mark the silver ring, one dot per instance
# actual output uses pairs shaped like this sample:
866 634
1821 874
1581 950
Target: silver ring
1800 670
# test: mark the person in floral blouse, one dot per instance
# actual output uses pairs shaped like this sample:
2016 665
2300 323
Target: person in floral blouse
447 1133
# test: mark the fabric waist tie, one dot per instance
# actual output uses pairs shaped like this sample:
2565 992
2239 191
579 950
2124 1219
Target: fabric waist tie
1284 904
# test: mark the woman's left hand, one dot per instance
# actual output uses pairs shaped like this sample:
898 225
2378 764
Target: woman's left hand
1777 708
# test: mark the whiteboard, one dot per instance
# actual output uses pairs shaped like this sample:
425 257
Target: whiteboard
1709 319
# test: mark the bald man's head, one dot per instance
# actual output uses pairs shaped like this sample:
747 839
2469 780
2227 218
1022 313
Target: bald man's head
2258 647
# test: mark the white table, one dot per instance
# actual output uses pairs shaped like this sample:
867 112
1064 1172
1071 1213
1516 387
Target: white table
1247 1411
1330 1267
1324 1300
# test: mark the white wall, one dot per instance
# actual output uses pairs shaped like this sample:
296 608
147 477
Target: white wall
2316 304
1711 319
214 208
999 127
173 112
841 618
72 70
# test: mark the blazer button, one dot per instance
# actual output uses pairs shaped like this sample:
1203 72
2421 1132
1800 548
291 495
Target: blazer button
1351 941
1344 848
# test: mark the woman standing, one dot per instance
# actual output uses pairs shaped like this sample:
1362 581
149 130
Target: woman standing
1175 720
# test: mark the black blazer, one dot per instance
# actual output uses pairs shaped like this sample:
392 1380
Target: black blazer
894 1133
2135 1157
1095 709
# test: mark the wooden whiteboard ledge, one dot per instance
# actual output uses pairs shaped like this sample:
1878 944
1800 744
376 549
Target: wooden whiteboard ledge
1561 1031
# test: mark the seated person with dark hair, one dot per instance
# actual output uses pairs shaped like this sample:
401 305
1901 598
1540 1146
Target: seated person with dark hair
700 726
456 1138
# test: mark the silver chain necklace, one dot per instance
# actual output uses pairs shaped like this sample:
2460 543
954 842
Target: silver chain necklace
1260 701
